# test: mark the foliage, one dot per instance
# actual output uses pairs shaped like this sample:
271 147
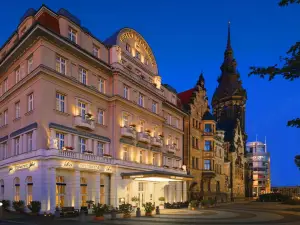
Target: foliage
6 204
212 201
289 68
98 209
135 199
149 207
19 206
34 206
293 201
126 209
162 199
205 202
194 203
273 197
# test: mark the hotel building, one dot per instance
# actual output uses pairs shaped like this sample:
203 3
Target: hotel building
82 119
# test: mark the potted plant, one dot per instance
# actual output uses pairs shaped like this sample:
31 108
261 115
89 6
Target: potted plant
90 204
162 200
136 200
99 212
194 204
149 207
88 115
132 126
70 148
19 206
34 207
126 209
5 204
88 152
204 203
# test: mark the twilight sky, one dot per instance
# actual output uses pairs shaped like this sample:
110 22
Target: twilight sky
188 37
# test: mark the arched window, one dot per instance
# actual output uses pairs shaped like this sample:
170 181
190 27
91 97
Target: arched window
60 191
17 189
1 189
83 190
29 186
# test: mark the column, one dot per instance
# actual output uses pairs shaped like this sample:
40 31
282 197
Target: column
97 188
178 191
76 187
76 144
69 140
170 200
113 190
40 187
23 143
12 151
52 189
95 147
90 144
184 191
34 140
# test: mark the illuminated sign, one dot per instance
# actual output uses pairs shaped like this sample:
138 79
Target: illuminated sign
67 164
23 166
137 176
177 178
108 169
89 166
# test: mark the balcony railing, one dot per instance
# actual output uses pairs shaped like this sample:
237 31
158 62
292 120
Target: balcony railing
144 137
157 141
208 154
128 132
171 148
84 123
208 132
208 173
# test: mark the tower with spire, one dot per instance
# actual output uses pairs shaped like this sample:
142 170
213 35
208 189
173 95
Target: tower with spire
230 97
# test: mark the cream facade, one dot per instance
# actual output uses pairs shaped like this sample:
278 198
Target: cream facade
82 119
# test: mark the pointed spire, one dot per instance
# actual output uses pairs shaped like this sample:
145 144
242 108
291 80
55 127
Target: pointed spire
228 37
201 81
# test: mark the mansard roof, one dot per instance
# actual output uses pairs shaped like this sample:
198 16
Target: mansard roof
208 116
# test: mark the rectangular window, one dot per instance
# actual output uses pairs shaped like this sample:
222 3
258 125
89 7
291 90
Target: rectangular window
29 64
29 142
193 162
18 74
102 85
154 107
138 55
126 92
197 144
96 51
197 163
173 99
146 61
101 117
17 145
125 154
141 156
142 126
169 119
82 109
5 117
128 48
141 186
100 148
176 122
61 65
17 110
60 102
207 165
5 85
154 160
82 75
177 143
141 100
73 35
60 137
207 128
30 102
207 146
82 144
125 120
169 162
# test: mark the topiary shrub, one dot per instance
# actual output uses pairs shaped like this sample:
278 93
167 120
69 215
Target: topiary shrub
34 206
19 206
6 204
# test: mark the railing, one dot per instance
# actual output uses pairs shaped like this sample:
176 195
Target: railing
208 154
84 123
171 148
80 156
157 141
144 137
128 132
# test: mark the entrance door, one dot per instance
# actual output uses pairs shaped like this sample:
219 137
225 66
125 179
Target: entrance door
141 194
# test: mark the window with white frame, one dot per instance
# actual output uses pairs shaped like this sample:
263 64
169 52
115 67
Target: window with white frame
30 102
82 144
102 85
141 100
60 102
207 164
176 122
17 110
82 108
73 35
60 137
141 186
169 140
154 107
29 64
101 117
17 145
83 76
125 154
142 125
61 65
125 120
5 85
96 51
169 119
29 141
141 156
126 92
5 150
18 74
128 48
100 148
5 119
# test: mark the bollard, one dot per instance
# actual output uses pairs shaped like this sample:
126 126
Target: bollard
157 210
113 214
82 218
138 212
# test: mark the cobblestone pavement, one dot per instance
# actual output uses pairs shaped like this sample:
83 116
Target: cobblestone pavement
237 213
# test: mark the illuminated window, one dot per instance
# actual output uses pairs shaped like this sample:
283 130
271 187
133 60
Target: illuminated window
154 107
17 110
72 35
82 108
128 48
125 120
100 148
83 76
141 100
126 92
18 74
61 65
125 154
60 102
207 164
28 190
96 51
102 85
60 140
29 64
60 191
138 55
29 141
17 189
207 146
83 191
30 102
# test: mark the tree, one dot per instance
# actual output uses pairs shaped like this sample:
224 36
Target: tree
289 67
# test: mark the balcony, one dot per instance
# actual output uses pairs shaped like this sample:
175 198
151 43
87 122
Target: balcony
144 137
84 123
157 141
208 154
171 149
208 133
208 173
128 132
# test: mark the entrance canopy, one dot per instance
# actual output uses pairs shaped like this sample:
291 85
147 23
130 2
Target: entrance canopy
156 176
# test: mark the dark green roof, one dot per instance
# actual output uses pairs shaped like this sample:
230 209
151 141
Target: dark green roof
170 88
208 116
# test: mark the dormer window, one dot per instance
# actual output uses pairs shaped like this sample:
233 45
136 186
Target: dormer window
73 35
138 55
128 48
208 128
96 51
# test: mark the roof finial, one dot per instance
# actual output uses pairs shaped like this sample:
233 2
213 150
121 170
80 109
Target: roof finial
228 38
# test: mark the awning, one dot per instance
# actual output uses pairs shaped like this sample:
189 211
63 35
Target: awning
156 176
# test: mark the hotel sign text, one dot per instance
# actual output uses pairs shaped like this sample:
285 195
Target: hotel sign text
23 166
